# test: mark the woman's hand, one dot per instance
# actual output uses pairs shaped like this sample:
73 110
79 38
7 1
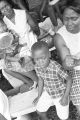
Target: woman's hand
69 61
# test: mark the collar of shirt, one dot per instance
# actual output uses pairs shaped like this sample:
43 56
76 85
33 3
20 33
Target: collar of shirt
46 70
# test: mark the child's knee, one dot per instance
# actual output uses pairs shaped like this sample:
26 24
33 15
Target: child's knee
52 15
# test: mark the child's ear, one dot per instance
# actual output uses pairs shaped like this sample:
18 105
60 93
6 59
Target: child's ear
49 54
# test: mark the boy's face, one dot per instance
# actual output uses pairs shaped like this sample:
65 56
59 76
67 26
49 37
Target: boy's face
41 57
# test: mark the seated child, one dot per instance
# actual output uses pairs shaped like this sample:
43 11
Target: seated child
16 60
52 88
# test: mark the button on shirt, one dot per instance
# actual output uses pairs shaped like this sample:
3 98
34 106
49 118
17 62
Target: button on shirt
53 76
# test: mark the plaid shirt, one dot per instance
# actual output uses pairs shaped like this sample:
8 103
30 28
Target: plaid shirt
53 76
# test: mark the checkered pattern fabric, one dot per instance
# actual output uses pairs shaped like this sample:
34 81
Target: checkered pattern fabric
53 76
75 89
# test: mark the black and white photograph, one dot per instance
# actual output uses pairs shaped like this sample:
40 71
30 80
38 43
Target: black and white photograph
39 59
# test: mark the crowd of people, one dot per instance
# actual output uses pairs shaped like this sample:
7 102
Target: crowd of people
28 59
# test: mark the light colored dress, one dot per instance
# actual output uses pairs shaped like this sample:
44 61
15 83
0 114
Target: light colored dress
73 43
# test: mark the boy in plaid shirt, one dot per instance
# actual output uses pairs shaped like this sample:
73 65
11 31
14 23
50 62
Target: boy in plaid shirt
52 89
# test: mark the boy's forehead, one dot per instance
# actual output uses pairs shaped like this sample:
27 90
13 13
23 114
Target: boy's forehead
41 51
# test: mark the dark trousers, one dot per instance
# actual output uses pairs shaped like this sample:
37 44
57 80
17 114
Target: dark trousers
53 12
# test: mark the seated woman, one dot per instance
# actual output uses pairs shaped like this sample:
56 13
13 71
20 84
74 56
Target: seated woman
20 22
67 42
16 61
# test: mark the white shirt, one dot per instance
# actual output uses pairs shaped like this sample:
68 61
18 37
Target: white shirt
72 42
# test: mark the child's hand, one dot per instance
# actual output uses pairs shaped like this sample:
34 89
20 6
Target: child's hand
35 101
64 101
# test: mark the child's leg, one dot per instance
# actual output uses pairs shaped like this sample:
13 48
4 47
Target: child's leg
19 76
12 92
31 74
51 14
58 11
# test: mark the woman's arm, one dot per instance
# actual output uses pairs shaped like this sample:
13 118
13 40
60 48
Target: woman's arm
43 5
67 59
32 75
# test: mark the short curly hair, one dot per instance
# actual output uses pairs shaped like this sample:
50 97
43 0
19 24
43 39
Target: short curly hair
39 45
